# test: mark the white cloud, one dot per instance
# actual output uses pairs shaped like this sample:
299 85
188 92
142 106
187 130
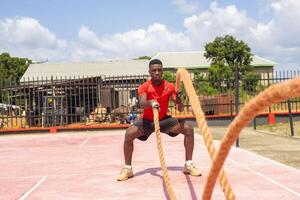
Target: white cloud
277 39
88 37
217 21
27 32
286 27
133 43
25 36
186 7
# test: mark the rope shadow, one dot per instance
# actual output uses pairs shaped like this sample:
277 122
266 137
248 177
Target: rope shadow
154 172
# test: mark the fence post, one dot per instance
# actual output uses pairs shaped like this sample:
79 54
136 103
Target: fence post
231 110
268 76
254 123
290 117
236 86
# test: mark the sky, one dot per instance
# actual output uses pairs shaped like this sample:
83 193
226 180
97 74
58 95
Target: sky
93 30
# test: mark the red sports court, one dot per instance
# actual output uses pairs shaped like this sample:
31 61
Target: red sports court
84 165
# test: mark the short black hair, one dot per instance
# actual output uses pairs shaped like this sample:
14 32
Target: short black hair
155 61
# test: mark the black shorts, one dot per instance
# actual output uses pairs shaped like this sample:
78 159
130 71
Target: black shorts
147 127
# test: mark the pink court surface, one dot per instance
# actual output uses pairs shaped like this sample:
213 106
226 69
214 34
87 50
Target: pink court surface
84 165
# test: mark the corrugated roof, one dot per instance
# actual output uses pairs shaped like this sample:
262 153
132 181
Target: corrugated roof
84 69
193 59
259 61
190 60
196 59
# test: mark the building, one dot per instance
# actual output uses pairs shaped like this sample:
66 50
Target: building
68 70
195 61
64 93
192 60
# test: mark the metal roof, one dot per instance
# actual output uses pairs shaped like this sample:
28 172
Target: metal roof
196 59
85 69
190 60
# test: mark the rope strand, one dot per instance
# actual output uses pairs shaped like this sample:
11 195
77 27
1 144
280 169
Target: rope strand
271 95
183 75
161 156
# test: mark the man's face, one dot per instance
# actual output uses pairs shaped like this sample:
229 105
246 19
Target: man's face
156 72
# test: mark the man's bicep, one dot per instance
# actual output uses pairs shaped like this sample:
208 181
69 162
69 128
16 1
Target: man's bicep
142 98
173 99
173 92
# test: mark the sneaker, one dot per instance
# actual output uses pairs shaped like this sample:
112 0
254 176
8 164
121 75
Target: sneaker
125 174
192 170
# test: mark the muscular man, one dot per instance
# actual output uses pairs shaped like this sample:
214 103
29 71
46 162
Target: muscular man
156 93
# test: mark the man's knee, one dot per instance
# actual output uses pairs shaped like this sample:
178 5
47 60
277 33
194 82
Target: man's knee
188 130
131 133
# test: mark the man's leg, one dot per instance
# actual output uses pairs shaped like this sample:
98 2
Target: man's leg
131 133
188 132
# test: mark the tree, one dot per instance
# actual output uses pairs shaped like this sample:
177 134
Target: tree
202 84
12 67
224 53
143 58
229 51
250 82
169 76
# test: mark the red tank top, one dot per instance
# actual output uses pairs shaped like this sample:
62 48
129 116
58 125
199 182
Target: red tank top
161 93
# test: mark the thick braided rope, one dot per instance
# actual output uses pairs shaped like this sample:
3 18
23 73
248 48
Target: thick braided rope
161 156
271 95
183 75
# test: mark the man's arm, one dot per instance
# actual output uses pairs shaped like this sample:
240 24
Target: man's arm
144 103
178 102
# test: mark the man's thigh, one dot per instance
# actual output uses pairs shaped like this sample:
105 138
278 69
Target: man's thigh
171 126
146 128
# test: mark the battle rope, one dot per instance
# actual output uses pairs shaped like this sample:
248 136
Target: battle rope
274 94
183 75
161 156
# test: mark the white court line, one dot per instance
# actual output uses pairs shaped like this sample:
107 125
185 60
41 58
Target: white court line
273 161
261 157
33 188
259 174
85 141
265 177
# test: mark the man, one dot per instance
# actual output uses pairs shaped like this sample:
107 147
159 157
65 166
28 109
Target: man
156 93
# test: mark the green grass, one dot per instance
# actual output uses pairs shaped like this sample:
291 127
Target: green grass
281 128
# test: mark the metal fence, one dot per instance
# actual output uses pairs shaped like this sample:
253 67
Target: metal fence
64 101
218 96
